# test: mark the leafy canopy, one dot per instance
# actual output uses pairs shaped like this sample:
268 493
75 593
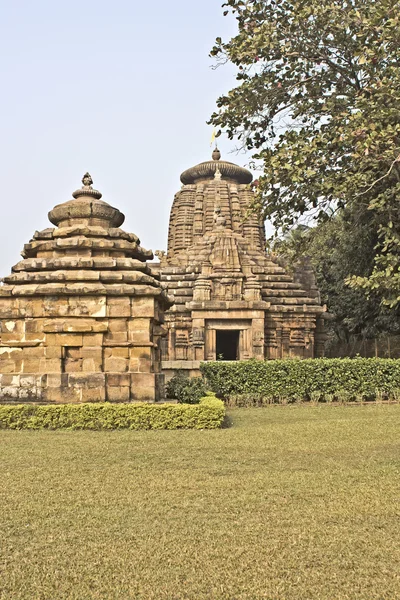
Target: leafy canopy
343 245
318 104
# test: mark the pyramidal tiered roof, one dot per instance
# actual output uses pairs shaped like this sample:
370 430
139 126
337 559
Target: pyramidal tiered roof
86 253
81 316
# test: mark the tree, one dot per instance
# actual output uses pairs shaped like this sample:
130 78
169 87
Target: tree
342 245
318 104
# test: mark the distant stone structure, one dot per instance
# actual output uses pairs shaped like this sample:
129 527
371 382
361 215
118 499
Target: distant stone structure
81 316
233 301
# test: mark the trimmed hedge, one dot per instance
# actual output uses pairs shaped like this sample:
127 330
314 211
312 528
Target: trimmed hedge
321 379
209 414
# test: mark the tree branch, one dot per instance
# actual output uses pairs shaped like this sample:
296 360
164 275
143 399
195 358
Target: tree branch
396 160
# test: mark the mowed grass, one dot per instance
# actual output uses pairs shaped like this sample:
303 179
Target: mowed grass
288 503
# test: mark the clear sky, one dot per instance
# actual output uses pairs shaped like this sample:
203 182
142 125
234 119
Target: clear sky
122 89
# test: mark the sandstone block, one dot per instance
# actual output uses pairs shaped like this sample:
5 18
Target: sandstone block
117 352
89 306
140 352
134 365
68 325
62 394
68 339
116 364
10 366
93 394
7 380
106 262
33 325
145 365
74 353
116 337
52 365
118 325
85 325
10 392
92 339
86 380
118 307
95 352
140 336
8 308
56 380
35 337
147 386
29 394
10 326
118 379
72 366
89 365
31 365
111 276
118 394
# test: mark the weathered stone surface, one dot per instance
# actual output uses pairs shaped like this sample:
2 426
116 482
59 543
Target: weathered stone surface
222 280
74 326
76 310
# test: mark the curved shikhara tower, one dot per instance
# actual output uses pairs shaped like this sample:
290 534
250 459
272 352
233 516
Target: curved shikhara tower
232 300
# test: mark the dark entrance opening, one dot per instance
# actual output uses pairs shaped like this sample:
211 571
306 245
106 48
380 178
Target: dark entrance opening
227 345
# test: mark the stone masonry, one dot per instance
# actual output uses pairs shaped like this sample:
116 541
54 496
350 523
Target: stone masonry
81 316
233 301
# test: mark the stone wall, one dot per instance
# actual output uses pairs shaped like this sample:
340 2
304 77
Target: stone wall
79 348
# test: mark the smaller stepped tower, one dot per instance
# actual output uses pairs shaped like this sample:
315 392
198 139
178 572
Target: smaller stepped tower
233 301
81 316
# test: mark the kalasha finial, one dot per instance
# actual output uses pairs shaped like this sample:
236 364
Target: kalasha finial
87 180
86 189
216 155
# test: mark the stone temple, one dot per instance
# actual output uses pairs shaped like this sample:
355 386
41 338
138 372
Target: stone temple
81 316
233 301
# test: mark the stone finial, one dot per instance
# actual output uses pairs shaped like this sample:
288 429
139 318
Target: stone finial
216 155
87 180
87 189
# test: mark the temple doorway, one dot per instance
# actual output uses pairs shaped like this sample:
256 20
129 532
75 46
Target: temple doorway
227 344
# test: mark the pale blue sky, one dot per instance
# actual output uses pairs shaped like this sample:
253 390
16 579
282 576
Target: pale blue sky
122 89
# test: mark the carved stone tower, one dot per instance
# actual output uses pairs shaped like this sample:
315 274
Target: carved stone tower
232 300
81 316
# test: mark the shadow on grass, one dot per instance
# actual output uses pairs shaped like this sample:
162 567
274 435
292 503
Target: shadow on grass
227 422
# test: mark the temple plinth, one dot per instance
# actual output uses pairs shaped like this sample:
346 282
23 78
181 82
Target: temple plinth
232 300
81 316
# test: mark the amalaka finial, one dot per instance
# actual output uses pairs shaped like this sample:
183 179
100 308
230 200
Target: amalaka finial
216 155
86 189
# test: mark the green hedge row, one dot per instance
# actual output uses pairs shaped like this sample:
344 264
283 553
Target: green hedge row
208 414
297 380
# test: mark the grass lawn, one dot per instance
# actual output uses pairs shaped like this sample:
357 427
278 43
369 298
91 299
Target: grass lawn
290 503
